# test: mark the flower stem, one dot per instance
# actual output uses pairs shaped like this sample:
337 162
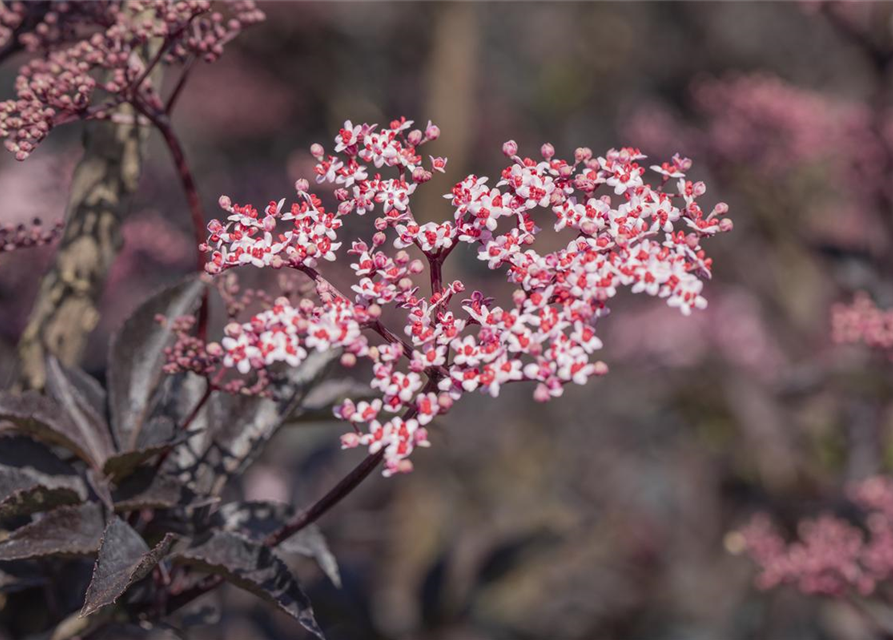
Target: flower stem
436 264
162 122
337 493
197 212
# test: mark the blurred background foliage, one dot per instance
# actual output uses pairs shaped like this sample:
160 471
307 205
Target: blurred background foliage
603 515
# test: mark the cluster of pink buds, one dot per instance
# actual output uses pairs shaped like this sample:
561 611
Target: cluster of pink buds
11 17
19 236
643 237
190 353
832 556
90 47
863 322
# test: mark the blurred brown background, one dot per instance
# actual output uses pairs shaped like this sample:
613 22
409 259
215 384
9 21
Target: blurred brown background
601 515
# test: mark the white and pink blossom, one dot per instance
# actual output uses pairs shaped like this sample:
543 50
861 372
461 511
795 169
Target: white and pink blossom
627 234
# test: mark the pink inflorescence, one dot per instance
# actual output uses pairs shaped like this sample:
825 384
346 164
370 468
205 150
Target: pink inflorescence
831 557
863 322
624 232
11 18
90 49
19 236
770 127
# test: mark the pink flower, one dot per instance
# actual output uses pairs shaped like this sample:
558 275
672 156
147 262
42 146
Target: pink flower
348 136
438 164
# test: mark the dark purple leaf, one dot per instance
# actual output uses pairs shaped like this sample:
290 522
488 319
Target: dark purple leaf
68 531
255 568
158 437
91 423
176 399
311 543
90 390
257 520
33 479
136 357
45 420
147 489
34 498
100 485
242 425
254 519
124 558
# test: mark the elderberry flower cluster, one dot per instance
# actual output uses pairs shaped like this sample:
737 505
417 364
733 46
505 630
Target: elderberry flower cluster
863 322
622 233
20 236
91 52
832 557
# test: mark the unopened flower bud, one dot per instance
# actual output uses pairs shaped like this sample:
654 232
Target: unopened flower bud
726 224
601 369
348 360
589 228
379 239
421 175
432 132
302 185
317 151
582 154
416 266
510 148
414 137
541 393
548 151
225 202
233 329
583 183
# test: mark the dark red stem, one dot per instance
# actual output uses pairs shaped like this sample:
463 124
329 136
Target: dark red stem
335 495
162 122
436 265
181 82
197 212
